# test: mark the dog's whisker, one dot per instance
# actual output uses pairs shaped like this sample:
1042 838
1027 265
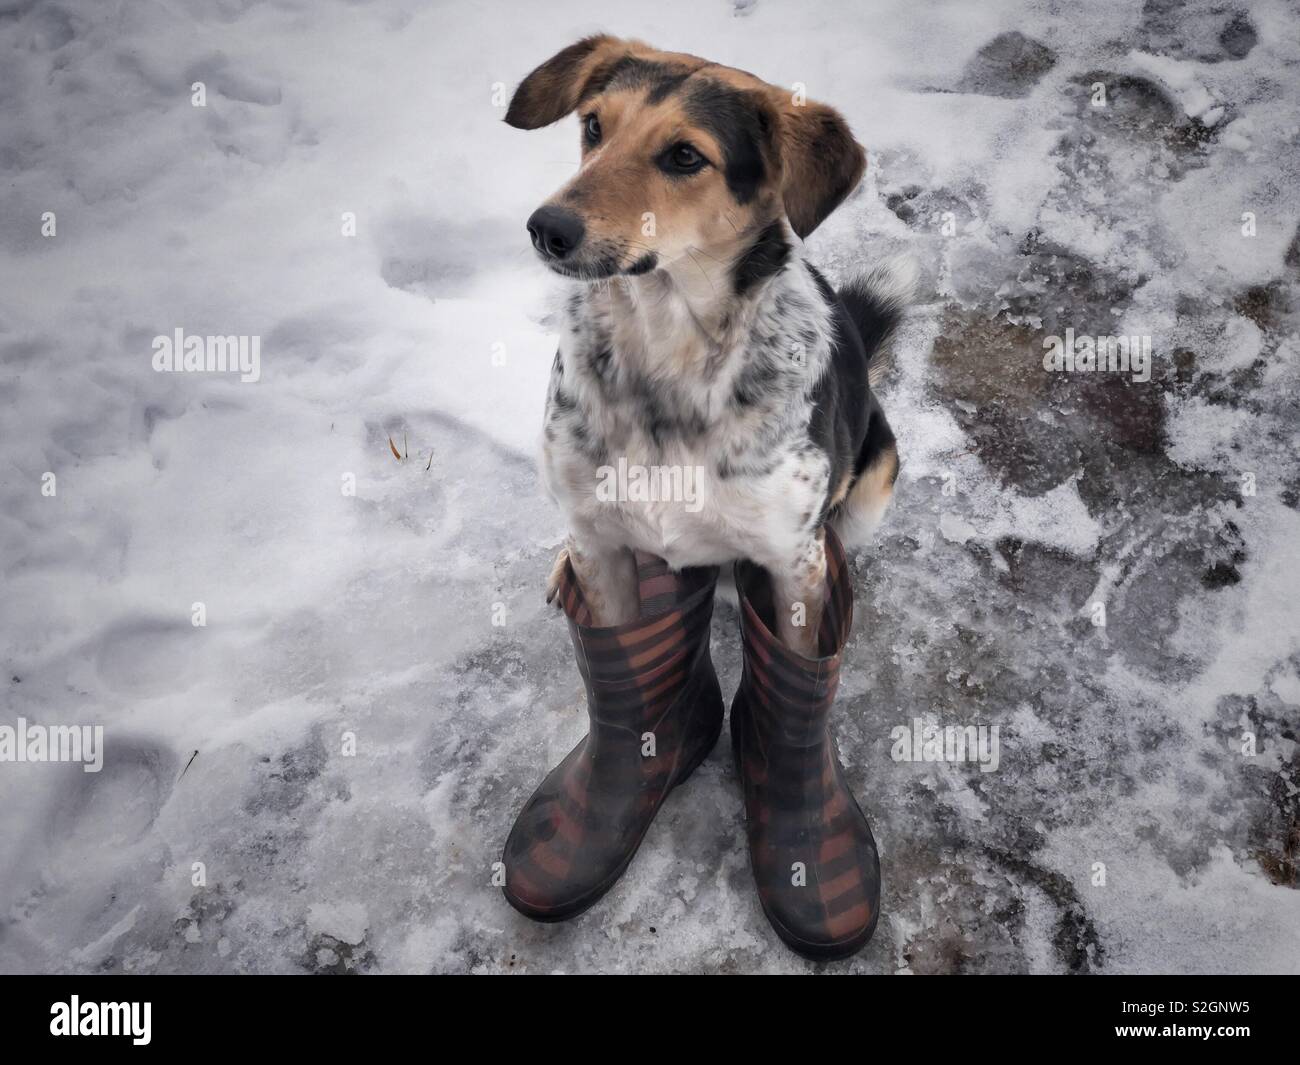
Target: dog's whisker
706 254
702 270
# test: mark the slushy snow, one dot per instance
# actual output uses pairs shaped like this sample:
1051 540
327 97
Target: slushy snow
321 776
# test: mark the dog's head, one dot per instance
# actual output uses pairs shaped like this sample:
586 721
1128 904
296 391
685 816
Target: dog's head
679 156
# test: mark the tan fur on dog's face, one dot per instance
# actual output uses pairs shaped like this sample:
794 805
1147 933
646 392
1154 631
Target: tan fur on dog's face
682 158
634 204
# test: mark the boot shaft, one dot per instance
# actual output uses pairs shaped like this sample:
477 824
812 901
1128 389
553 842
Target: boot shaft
633 673
811 849
787 695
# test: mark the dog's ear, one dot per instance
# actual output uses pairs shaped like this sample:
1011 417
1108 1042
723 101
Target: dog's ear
555 88
821 161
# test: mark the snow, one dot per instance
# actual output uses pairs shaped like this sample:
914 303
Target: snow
365 733
346 922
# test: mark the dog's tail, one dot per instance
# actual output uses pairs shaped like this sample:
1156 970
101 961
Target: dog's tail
876 301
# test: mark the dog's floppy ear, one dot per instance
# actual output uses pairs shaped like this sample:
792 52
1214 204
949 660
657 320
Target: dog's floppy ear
822 162
553 90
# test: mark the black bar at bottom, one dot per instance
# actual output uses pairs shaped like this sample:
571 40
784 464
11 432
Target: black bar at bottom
302 1014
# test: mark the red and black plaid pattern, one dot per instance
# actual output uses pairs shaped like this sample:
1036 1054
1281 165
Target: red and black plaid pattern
655 712
810 845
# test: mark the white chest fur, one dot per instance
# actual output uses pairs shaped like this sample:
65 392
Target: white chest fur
680 431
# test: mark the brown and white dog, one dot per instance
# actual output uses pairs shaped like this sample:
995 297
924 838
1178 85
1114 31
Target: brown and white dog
698 338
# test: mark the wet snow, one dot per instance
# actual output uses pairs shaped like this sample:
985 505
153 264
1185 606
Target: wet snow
379 686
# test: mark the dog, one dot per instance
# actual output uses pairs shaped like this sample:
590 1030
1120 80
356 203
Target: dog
698 336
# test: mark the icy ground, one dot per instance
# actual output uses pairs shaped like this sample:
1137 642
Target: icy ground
1025 498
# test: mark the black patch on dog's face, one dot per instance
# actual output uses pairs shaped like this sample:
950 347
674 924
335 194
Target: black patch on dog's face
660 79
763 259
643 265
739 126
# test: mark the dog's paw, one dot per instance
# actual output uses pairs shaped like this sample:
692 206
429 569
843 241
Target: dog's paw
557 576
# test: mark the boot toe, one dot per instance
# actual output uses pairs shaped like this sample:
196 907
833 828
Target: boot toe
546 887
831 915
553 870
816 942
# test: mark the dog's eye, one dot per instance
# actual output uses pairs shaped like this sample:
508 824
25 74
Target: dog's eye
683 159
591 129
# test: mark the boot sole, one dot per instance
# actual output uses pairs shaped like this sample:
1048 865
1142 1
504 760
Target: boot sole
556 914
822 951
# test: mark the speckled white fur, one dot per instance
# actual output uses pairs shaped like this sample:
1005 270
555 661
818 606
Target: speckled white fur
646 371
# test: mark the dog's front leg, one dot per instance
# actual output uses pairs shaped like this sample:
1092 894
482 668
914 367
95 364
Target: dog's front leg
607 577
799 595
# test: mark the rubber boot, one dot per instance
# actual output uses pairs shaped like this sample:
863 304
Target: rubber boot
655 712
810 846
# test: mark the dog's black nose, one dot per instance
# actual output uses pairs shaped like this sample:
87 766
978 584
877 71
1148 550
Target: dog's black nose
555 232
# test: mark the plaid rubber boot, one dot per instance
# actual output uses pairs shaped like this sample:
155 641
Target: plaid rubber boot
810 846
656 712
